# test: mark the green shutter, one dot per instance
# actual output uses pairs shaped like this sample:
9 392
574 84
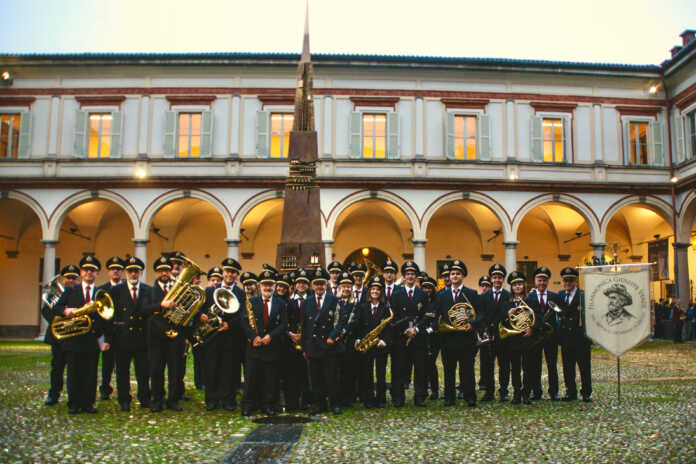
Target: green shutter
449 135
116 134
483 132
393 135
263 120
80 140
658 144
681 148
170 134
355 134
206 134
567 140
25 125
536 134
627 142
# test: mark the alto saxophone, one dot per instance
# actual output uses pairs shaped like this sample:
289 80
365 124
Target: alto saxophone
250 315
372 338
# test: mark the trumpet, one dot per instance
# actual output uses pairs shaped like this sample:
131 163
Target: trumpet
81 322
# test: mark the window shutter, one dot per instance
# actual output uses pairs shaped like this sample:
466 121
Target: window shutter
79 140
627 142
356 134
537 154
206 134
658 144
262 133
116 134
681 148
393 135
484 137
25 125
567 141
449 142
170 134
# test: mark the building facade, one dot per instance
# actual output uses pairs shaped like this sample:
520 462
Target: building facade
486 160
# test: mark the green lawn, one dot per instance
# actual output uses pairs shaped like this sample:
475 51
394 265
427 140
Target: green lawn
655 422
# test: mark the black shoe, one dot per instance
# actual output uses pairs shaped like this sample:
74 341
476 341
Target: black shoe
174 406
419 402
156 406
525 399
315 410
50 400
185 398
90 410
516 398
398 404
553 397
73 410
586 398
211 406
569 398
534 397
503 397
230 406
488 397
337 410
471 403
104 396
434 396
460 395
246 412
381 405
145 404
124 405
449 403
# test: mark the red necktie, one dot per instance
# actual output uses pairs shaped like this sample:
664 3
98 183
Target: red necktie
135 295
300 300
497 297
319 303
357 295
88 294
388 292
456 294
165 288
542 303
374 311
568 299
410 295
335 290
265 313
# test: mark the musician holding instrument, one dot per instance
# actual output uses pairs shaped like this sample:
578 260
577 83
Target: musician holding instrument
483 346
348 358
81 347
296 384
494 300
458 313
434 343
114 267
358 271
575 346
335 270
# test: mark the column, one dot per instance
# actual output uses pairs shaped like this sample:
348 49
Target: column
511 255
419 253
327 136
328 251
597 109
232 248
598 250
49 271
53 127
419 127
235 124
681 272
144 125
510 109
141 253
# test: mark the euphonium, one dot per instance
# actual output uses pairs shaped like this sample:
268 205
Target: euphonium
81 323
188 298
460 314
372 338
224 302
522 318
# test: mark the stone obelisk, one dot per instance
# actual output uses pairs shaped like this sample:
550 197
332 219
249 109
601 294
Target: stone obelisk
300 239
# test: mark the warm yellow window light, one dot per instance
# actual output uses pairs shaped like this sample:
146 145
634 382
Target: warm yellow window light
366 252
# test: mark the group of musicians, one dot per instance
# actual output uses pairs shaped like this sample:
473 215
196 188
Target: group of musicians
318 339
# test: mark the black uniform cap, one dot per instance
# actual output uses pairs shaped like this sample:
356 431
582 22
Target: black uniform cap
319 276
569 273
485 280
390 265
457 264
231 264
497 269
346 278
215 272
135 263
90 262
516 276
248 278
284 280
542 271
409 266
301 275
162 264
267 277
114 263
358 269
376 281
70 271
335 266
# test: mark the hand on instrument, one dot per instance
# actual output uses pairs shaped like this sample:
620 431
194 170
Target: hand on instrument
294 337
467 327
204 318
511 312
410 333
330 341
257 341
69 312
106 346
528 332
168 304
381 344
357 342
266 340
224 327
304 355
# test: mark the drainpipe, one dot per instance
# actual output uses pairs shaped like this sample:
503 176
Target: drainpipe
673 189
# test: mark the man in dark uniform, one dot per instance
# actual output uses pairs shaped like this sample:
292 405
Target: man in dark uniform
538 299
458 347
494 301
114 266
177 260
358 271
575 346
230 272
389 271
82 351
264 325
127 334
444 275
335 269
296 384
409 303
69 277
348 360
214 276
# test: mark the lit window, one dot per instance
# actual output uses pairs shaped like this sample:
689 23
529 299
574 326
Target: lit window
99 135
638 139
374 136
552 132
189 135
464 137
9 135
281 126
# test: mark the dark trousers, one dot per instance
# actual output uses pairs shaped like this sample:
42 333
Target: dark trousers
416 355
58 362
82 378
323 376
260 384
295 379
181 371
351 375
579 354
398 368
374 363
165 352
464 356
513 358
142 375
486 367
198 367
217 375
549 348
107 369
500 354
432 379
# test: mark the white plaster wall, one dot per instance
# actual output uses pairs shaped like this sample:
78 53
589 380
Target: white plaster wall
130 127
67 141
435 128
159 107
39 137
497 126
251 106
611 136
582 134
405 110
221 112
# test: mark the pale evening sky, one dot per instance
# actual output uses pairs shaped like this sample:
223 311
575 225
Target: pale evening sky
616 31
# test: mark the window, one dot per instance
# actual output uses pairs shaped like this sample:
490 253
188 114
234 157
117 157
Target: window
374 139
638 143
99 145
189 135
467 136
552 132
281 126
464 137
98 133
692 133
9 135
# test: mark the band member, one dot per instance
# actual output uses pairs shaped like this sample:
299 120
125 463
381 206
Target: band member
493 301
163 351
214 276
348 358
374 363
409 304
538 300
283 286
69 277
296 378
484 285
389 271
250 283
335 269
321 324
176 258
575 346
114 266
127 334
236 336
459 346
358 271
444 275
264 321
432 379
515 347
82 351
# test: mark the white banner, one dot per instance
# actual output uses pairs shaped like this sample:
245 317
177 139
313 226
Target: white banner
618 306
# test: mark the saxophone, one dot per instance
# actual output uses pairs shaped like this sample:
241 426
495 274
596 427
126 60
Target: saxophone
372 338
250 315
298 345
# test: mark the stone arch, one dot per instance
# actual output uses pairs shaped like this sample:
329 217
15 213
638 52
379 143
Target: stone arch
34 205
57 217
248 205
658 206
687 216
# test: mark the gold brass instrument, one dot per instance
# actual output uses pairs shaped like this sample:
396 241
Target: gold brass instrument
522 318
372 270
81 322
187 296
250 315
460 314
372 338
52 292
224 302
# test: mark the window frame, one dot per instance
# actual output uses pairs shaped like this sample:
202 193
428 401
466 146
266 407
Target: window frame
476 113
392 151
100 135
14 112
380 112
689 120
626 130
566 133
271 112
177 135
84 143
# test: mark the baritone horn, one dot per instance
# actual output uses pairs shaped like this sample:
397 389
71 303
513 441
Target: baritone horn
187 296
81 323
521 319
460 314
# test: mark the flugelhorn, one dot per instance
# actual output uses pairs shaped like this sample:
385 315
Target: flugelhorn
81 323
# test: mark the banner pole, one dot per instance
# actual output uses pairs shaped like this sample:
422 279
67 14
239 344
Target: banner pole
618 378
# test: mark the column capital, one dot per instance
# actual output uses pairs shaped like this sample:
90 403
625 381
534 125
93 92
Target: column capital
419 242
232 241
49 243
598 244
140 241
681 245
511 244
327 242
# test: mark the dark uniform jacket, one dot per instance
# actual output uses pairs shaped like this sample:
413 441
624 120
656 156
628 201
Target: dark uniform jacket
571 331
363 295
224 338
495 312
533 302
409 311
73 297
443 302
128 329
320 324
366 323
276 328
156 324
349 316
47 313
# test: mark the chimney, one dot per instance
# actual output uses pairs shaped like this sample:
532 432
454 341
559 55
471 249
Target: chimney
687 36
674 50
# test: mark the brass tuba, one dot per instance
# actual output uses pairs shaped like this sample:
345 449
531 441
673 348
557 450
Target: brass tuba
522 318
372 338
224 302
460 314
188 298
81 323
